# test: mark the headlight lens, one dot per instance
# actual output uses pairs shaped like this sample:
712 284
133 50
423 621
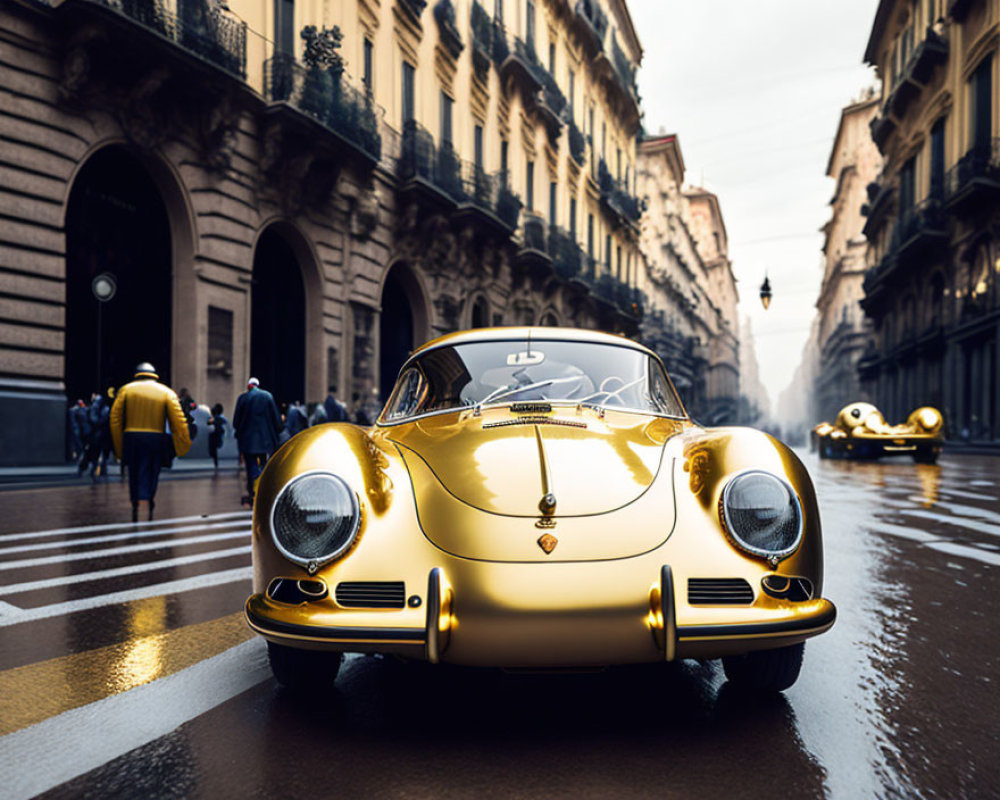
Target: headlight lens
761 513
314 519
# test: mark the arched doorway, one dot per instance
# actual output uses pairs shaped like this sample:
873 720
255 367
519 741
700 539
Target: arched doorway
396 329
278 319
117 223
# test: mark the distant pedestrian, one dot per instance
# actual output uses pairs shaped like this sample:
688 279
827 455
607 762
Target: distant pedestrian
217 425
317 416
257 425
139 417
99 445
296 420
335 410
73 423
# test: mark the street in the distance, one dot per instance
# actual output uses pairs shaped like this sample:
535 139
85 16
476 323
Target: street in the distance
127 670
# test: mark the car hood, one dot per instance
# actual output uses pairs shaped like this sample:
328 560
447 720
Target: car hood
504 463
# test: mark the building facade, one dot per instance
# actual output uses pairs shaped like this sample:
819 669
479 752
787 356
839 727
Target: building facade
843 331
933 227
302 192
690 292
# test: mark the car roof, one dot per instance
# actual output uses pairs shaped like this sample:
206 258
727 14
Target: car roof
524 332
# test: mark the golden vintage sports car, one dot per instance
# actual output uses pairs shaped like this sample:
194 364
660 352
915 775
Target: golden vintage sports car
861 432
536 498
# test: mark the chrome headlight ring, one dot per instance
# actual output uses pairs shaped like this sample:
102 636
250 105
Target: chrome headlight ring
785 527
314 519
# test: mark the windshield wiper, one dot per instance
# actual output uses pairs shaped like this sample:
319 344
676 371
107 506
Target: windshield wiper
503 391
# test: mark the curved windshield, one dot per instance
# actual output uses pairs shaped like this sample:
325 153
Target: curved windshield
490 373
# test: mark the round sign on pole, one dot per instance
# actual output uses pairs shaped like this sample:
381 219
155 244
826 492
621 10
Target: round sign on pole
104 286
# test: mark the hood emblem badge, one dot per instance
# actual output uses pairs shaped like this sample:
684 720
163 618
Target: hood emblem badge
547 542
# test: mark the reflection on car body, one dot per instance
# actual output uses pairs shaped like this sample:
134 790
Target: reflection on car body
861 432
539 499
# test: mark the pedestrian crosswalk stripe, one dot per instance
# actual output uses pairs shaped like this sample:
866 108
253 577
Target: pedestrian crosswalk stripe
118 537
146 566
95 734
11 615
115 551
125 525
35 692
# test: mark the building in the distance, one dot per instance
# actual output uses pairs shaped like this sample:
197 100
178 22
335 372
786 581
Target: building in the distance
843 330
690 292
932 289
302 191
755 403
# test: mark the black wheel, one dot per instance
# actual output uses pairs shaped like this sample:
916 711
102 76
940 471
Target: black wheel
303 670
765 670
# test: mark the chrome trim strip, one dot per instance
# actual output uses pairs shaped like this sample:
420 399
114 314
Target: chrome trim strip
667 604
433 634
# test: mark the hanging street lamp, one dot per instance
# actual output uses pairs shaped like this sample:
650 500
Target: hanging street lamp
765 292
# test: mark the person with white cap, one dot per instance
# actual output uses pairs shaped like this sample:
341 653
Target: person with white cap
257 425
139 416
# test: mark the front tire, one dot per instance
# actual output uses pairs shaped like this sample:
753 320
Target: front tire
303 671
765 670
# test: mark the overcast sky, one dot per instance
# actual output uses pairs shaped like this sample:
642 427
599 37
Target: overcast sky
754 92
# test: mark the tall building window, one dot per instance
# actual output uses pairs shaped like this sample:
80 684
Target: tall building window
572 94
607 252
498 10
937 159
907 186
604 140
409 72
590 235
552 58
980 107
618 270
529 189
446 108
477 146
529 25
368 65
572 218
553 199
284 25
503 161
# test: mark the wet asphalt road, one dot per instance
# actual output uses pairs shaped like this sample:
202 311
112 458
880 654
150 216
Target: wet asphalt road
126 670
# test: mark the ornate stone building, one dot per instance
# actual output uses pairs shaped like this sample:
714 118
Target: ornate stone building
931 290
301 191
843 330
690 291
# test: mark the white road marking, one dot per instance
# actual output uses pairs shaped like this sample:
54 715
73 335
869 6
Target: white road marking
958 522
114 551
148 566
935 543
118 537
11 615
125 525
61 748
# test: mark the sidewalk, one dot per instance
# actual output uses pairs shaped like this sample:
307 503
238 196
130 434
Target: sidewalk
66 474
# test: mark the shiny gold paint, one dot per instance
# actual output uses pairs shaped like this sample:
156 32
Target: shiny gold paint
431 499
864 422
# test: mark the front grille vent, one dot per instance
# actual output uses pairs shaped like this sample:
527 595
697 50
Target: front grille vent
719 592
371 594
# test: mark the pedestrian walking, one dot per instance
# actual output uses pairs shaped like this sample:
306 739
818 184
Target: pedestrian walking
75 441
257 425
335 410
296 420
217 425
139 416
99 445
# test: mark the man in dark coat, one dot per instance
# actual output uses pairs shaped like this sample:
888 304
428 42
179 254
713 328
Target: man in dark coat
335 411
257 424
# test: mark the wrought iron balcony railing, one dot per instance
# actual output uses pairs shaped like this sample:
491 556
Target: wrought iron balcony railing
624 69
325 96
577 143
981 163
616 196
520 56
439 166
490 193
534 232
201 28
593 19
567 257
482 39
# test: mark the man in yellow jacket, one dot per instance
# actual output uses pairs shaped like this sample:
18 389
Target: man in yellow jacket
139 418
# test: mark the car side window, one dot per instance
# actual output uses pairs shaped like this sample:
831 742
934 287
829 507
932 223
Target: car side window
410 390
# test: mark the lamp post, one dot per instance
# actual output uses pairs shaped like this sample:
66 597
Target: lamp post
765 292
104 287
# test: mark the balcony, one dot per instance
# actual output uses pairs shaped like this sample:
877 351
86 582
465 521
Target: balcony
591 23
624 70
211 35
519 61
567 257
432 173
881 127
957 9
448 34
930 53
974 180
488 199
922 233
413 8
534 250
880 194
616 198
323 97
619 295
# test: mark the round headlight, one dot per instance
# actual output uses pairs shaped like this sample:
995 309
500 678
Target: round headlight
762 515
314 519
